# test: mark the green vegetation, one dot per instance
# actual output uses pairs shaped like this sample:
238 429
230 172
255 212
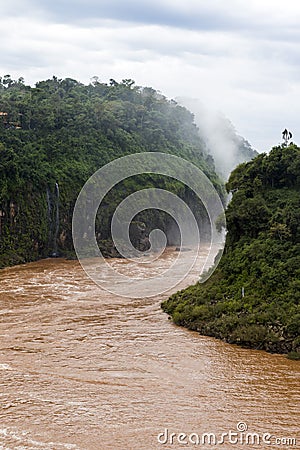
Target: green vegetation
63 131
261 257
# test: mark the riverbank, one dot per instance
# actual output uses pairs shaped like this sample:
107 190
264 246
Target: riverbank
139 237
229 327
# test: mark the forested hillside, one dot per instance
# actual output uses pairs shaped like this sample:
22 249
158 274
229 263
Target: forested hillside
253 297
55 135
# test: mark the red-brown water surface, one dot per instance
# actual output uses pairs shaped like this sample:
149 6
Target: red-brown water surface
83 369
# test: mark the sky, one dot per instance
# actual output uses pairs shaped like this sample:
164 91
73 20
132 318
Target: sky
240 58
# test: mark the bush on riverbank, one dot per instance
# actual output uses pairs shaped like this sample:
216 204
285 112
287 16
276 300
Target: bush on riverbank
262 257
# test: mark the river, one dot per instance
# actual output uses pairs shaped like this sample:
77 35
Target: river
81 368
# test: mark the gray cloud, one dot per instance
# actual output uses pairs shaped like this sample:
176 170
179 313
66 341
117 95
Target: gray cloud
146 12
267 19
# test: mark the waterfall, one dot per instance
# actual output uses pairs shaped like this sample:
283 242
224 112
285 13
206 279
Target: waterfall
56 229
49 216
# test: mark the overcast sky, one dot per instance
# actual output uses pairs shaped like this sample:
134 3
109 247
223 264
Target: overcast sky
242 58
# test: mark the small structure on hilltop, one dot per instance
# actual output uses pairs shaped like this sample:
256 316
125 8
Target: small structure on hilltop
9 124
286 136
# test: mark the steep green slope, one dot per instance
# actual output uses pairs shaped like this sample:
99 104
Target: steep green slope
253 297
57 134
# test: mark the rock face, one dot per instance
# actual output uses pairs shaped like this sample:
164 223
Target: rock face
138 236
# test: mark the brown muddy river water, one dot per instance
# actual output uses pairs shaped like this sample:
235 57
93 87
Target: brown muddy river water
81 368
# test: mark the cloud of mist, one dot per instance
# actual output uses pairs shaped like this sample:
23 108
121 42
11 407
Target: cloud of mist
227 148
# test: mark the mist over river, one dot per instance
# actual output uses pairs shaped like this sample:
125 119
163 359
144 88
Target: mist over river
81 368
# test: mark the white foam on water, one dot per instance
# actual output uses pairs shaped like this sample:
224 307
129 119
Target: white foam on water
26 443
5 367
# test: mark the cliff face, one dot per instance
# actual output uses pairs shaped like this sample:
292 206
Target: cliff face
253 299
57 134
23 228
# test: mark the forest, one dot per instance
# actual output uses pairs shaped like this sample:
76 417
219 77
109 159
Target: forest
55 135
253 297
